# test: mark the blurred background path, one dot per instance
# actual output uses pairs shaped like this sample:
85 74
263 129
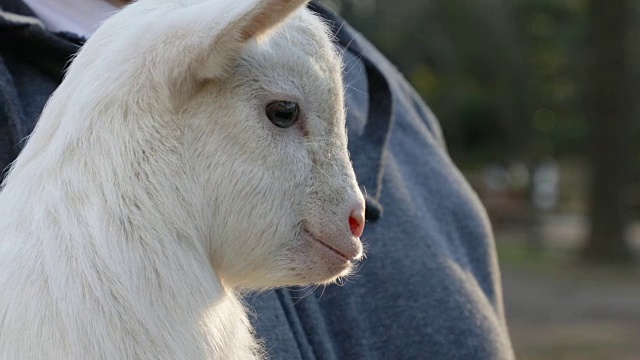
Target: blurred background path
557 307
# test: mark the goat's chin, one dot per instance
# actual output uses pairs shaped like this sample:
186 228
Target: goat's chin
313 261
307 260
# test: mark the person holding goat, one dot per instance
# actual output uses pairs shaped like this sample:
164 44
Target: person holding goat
430 286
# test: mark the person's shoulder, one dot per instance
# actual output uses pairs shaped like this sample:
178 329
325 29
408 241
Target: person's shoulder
357 48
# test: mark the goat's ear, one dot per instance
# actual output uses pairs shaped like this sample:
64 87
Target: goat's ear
247 19
264 15
184 42
193 40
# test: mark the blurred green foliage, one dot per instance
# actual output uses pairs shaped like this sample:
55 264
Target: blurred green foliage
507 78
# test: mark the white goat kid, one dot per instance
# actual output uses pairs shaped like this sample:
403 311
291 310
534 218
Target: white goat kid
194 150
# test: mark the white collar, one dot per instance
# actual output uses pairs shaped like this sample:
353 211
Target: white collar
80 17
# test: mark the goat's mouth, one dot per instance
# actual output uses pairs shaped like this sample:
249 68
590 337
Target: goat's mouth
347 252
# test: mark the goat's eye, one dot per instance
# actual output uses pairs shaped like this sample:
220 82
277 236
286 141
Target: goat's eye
283 114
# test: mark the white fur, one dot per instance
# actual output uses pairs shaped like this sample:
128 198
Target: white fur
154 187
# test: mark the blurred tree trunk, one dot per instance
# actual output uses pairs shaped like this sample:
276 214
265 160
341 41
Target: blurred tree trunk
611 132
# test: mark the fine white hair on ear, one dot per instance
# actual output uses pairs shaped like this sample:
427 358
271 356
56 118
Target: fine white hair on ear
252 19
190 41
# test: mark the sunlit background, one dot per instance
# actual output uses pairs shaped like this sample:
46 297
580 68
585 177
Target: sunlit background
537 99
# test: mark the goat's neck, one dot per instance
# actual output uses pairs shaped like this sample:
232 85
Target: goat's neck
119 250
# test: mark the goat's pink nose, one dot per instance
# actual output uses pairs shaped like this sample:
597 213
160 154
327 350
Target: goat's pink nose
356 222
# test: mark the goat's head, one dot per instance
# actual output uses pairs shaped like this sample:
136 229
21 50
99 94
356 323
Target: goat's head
255 97
269 143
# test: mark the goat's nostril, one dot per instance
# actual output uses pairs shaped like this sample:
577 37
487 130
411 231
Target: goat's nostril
356 222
